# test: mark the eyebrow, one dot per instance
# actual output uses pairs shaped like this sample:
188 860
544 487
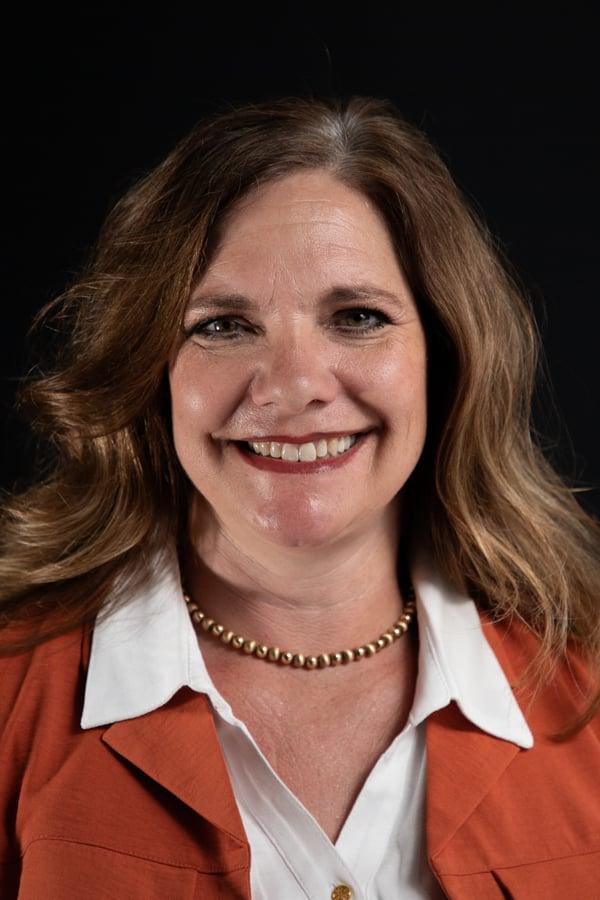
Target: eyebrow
336 294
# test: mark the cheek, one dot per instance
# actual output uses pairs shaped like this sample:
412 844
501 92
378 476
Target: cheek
399 379
197 399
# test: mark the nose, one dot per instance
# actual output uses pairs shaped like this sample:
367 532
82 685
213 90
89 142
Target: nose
294 372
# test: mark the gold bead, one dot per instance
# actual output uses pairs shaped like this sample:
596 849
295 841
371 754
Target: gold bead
299 660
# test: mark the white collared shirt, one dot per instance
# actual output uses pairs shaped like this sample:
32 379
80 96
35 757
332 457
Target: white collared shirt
143 652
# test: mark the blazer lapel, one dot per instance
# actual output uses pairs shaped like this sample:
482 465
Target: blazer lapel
177 745
463 762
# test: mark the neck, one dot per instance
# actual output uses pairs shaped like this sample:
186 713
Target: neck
308 599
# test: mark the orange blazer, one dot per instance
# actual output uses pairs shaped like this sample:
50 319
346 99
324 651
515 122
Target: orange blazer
125 811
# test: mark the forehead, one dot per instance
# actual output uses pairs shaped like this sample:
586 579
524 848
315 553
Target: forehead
299 197
307 226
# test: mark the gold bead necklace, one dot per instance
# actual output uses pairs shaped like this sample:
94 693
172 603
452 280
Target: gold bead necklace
300 660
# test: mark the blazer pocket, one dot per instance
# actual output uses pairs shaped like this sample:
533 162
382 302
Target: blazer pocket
573 877
57 869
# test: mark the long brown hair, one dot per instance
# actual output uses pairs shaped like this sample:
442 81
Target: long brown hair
109 489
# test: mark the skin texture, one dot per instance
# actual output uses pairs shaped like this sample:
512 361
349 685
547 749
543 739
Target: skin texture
304 562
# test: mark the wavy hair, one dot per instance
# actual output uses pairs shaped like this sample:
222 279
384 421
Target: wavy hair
108 488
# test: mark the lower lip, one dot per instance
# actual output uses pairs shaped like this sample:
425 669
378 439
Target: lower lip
301 468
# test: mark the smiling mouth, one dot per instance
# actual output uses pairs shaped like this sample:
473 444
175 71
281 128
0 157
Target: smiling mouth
291 462
310 451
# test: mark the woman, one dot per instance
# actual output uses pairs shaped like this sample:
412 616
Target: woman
297 608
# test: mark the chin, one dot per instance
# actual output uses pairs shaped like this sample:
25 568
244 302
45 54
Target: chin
297 531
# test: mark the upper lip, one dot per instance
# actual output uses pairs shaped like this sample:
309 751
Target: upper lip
302 438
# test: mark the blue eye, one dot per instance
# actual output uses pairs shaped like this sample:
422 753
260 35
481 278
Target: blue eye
202 328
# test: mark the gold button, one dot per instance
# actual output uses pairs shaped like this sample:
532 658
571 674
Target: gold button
341 892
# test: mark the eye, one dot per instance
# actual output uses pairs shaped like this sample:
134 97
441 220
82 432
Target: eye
202 328
225 328
366 311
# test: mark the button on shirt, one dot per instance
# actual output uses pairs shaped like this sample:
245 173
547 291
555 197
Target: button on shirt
144 652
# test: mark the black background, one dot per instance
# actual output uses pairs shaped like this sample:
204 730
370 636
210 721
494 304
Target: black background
94 98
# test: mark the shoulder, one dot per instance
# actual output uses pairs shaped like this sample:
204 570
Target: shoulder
558 699
40 706
39 681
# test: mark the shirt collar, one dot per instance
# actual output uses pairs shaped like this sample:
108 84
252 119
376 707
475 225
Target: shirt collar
144 651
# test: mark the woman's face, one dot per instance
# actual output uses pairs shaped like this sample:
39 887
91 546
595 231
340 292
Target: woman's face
315 261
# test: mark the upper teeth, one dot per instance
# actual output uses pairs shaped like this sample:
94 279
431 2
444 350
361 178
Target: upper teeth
304 452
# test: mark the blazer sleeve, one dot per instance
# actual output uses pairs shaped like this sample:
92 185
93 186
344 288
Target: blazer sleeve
16 743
